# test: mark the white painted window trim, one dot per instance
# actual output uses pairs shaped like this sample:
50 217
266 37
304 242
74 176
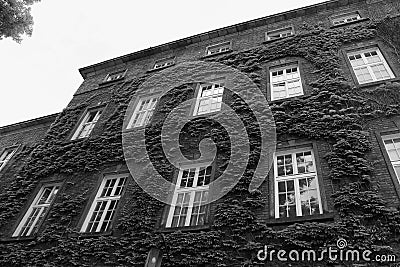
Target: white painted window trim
394 163
163 63
368 65
295 177
345 16
84 122
192 190
199 97
283 68
120 74
108 199
146 118
279 31
6 159
222 47
17 232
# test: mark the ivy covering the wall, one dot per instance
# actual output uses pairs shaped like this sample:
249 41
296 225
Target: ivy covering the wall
332 112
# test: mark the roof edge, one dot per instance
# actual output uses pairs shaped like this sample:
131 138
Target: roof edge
218 32
28 123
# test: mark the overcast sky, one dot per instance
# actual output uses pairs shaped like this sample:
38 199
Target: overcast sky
40 75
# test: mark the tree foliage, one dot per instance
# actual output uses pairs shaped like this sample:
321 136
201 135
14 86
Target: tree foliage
15 19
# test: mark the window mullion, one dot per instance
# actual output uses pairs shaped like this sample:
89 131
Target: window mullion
192 194
371 72
297 196
104 214
114 187
190 208
36 220
276 199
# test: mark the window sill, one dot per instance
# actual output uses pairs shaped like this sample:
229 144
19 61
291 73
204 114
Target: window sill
83 235
206 115
280 101
111 82
217 54
154 70
77 140
377 83
349 23
18 239
282 38
184 229
320 217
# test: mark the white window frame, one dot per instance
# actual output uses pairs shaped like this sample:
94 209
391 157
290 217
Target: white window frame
295 177
108 200
79 133
285 80
42 210
6 156
200 98
218 48
163 63
279 33
147 112
116 75
345 18
395 163
369 66
192 192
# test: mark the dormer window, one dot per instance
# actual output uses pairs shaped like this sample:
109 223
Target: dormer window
278 34
218 48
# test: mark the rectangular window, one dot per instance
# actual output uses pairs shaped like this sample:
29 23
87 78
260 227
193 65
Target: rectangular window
36 213
102 210
115 76
345 18
392 145
6 156
87 124
285 82
209 98
143 112
163 63
296 184
190 196
218 48
369 65
280 33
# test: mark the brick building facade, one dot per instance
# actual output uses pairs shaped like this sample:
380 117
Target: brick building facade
330 75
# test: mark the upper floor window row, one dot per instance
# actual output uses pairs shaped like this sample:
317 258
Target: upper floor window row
208 100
